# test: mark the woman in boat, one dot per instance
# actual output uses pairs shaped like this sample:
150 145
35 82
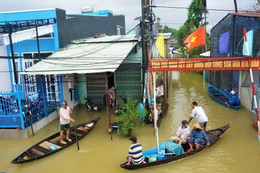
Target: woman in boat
234 100
198 137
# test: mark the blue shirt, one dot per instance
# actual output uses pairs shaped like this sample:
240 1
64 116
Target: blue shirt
199 137
135 151
234 100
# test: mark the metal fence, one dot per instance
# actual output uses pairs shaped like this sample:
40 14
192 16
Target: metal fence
22 109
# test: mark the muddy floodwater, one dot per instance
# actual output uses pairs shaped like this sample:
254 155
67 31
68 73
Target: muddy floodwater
237 151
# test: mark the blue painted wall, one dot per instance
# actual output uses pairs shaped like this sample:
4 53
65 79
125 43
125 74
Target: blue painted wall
33 15
46 45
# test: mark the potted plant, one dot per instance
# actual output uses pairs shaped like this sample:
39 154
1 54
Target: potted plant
132 115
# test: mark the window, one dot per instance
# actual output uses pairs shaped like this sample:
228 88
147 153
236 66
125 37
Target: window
52 89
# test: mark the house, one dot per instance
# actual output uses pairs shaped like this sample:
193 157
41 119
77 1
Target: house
90 66
37 34
231 28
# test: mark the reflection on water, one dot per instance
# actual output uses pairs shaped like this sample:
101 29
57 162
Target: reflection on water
237 151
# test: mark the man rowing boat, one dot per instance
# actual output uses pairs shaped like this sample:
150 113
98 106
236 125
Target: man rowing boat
200 115
65 112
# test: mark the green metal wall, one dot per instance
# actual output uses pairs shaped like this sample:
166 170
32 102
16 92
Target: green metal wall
96 87
128 80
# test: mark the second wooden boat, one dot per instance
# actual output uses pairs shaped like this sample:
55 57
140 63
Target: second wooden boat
220 96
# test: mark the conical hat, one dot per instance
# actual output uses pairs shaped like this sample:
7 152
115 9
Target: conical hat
197 125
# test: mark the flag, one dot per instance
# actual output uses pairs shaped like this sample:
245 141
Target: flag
250 39
160 45
197 38
224 43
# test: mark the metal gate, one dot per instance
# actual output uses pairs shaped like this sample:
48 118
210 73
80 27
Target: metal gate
96 87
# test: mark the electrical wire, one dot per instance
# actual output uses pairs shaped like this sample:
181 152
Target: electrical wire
209 9
140 65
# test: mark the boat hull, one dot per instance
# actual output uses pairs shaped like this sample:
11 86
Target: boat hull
42 148
220 96
214 136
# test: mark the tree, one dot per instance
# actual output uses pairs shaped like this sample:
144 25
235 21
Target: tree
167 29
194 21
131 116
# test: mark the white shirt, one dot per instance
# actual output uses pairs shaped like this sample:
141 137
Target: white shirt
199 113
65 115
183 132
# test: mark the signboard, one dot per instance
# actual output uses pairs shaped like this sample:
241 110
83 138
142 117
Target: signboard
203 64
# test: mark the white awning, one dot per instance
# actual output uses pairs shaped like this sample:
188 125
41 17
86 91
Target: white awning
25 34
84 58
205 54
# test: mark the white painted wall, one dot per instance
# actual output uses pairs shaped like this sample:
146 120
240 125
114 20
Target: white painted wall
5 84
66 93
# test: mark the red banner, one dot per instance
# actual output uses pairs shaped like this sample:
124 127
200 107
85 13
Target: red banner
203 64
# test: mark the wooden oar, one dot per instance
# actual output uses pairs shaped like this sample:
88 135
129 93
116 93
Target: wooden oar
76 136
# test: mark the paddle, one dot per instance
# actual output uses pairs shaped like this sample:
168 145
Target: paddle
76 136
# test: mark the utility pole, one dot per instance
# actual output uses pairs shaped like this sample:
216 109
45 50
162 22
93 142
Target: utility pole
12 53
144 7
37 38
235 3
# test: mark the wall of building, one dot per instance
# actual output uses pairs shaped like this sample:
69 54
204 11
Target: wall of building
33 15
223 79
4 71
72 27
30 46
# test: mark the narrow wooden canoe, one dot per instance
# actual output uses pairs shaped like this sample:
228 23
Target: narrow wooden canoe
220 96
42 149
214 136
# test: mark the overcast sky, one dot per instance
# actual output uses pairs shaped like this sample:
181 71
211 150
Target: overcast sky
130 8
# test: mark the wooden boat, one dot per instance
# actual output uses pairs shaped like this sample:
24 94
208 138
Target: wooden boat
42 149
220 96
214 136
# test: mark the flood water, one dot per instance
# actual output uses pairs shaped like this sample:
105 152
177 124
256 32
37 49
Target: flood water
237 151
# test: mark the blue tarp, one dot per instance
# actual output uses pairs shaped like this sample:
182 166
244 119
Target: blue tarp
164 147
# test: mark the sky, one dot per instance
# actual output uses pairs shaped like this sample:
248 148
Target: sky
130 8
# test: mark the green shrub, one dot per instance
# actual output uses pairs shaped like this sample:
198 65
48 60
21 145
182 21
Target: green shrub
130 117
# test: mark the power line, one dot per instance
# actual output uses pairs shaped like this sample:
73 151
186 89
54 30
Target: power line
140 65
209 9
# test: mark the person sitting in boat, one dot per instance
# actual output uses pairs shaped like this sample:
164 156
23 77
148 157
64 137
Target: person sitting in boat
200 115
135 154
65 112
198 137
234 100
183 132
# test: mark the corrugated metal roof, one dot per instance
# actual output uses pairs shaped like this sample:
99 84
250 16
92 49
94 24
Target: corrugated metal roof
84 58
113 38
167 36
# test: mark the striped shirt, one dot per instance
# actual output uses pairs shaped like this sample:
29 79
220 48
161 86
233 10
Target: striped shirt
135 151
